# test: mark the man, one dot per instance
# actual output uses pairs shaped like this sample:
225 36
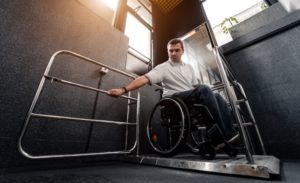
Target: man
178 79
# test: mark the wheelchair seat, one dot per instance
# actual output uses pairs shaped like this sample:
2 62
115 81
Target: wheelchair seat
172 125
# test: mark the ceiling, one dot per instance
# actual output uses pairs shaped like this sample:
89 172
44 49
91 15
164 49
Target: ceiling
166 5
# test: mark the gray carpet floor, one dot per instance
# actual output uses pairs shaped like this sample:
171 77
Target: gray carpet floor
115 172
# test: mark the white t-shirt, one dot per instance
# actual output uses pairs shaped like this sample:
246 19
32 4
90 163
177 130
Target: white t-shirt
175 77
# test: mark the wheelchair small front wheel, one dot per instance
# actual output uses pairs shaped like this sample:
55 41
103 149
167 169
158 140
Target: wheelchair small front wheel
199 144
230 151
195 139
207 151
168 126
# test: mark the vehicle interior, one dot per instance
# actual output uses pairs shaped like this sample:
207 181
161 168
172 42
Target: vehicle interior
59 58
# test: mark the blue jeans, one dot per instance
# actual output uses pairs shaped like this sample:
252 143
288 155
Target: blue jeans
216 105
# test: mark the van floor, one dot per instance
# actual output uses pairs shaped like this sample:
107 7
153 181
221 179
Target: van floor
117 171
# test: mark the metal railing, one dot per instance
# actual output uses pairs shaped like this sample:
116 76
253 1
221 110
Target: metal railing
225 73
46 76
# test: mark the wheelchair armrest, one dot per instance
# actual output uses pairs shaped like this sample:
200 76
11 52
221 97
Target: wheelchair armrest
160 91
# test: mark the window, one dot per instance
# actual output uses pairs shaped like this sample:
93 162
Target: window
224 14
139 30
199 53
111 3
143 8
139 36
102 8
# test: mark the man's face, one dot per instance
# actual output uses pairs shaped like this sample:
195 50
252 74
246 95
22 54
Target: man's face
175 52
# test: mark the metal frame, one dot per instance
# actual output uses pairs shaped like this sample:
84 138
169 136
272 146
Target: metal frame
30 113
253 121
227 85
235 104
232 97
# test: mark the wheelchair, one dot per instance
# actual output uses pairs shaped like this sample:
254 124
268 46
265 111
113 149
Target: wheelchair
173 125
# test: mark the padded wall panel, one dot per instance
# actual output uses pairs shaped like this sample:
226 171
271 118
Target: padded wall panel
269 71
30 32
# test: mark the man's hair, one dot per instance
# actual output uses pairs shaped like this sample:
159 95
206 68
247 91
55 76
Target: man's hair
176 41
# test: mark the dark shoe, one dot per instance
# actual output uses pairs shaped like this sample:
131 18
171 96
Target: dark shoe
233 141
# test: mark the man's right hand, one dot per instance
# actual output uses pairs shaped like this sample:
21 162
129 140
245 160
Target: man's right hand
116 92
135 84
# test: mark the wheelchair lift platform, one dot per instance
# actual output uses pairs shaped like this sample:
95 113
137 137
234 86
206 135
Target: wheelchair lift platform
249 164
263 165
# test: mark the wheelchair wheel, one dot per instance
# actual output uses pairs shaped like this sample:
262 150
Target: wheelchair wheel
168 126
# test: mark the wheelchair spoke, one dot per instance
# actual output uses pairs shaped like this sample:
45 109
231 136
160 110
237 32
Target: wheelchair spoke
167 126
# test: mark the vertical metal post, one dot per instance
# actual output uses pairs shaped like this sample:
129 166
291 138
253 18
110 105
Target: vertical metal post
35 99
138 122
127 120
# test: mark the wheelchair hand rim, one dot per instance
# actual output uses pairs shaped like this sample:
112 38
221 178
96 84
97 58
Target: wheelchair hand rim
182 135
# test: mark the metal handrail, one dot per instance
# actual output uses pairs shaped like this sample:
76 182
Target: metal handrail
80 119
30 113
235 106
82 86
253 119
232 98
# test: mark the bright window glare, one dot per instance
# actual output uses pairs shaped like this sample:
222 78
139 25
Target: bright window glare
139 35
217 10
111 3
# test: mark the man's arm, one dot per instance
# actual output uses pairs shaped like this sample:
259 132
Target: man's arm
135 84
